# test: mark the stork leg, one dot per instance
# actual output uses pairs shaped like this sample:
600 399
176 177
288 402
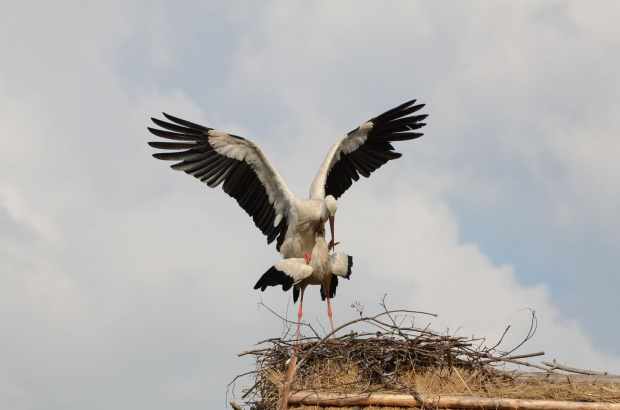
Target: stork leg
329 313
301 302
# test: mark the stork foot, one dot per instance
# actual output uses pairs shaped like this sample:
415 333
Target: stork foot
307 257
331 245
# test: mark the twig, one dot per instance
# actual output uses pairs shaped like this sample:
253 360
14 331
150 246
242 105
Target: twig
520 356
364 319
466 386
285 320
530 333
556 365
500 339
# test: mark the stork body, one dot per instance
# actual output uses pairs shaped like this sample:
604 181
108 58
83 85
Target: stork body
306 216
246 174
323 270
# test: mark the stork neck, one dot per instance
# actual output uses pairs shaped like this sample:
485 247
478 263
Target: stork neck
320 246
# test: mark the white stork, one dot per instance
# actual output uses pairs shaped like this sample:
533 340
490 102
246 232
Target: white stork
216 157
247 174
323 269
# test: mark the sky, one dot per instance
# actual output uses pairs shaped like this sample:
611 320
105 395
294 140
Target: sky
127 285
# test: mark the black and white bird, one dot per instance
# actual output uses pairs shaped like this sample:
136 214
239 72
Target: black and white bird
323 269
215 157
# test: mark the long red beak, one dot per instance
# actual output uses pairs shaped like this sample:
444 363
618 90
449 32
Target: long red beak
331 228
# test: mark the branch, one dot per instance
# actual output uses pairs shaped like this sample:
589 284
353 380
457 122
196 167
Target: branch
530 333
520 356
536 377
362 319
556 365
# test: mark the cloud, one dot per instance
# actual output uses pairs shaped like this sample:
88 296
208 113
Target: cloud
416 256
128 284
491 132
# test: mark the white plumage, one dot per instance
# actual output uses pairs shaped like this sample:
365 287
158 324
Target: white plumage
298 273
246 174
322 269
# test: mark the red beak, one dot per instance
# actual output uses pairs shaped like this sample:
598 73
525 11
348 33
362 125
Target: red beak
331 228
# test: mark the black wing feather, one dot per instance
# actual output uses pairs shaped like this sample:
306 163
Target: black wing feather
393 125
274 277
198 158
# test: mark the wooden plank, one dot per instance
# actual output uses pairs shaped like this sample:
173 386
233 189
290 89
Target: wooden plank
436 401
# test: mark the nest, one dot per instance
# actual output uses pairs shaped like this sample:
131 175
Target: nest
385 353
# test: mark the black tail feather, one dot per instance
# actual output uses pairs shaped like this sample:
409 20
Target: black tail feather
333 284
349 267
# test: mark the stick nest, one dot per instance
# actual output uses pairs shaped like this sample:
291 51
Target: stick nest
386 353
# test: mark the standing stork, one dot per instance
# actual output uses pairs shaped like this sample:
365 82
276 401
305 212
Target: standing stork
323 269
215 157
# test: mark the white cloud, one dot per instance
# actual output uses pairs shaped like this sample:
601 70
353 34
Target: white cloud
120 286
501 72
415 255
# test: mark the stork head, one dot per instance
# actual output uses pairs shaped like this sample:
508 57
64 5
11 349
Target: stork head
331 205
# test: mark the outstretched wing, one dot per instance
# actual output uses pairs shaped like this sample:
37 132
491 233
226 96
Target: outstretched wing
366 148
215 157
286 272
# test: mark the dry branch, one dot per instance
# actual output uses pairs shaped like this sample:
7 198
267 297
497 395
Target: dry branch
436 401
387 353
536 377
556 365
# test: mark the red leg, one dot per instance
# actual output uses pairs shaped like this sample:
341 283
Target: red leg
329 313
301 301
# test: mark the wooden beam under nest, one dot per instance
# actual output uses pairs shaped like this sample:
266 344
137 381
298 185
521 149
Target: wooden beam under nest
436 401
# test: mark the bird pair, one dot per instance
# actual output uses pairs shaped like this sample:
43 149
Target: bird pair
246 174
319 268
